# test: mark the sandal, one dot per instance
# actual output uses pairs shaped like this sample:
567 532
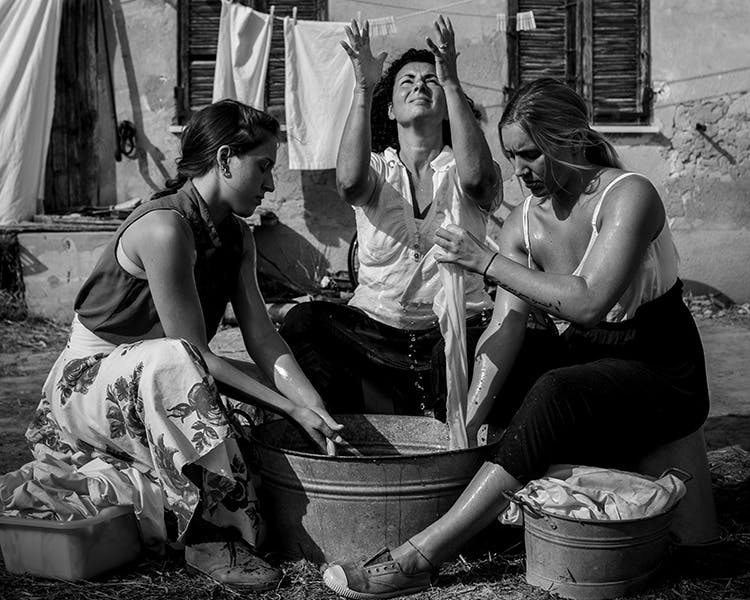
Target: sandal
376 577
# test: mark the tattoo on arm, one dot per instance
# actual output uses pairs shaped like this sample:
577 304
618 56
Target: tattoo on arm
525 298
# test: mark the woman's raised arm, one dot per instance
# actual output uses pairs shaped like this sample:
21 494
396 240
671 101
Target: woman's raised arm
477 171
353 178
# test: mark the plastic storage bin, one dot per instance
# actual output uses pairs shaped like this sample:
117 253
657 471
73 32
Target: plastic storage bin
70 550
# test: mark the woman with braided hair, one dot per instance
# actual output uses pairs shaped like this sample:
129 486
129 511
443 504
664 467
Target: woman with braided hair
136 385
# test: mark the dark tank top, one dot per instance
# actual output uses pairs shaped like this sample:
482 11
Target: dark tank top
119 308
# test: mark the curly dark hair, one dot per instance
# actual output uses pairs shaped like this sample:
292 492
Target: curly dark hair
384 130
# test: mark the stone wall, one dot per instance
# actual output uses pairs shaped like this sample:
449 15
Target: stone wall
709 162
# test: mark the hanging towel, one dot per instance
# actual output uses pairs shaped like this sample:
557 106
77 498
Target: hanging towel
242 54
29 31
318 93
450 308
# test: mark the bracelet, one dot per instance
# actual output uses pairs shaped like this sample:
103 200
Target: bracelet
484 274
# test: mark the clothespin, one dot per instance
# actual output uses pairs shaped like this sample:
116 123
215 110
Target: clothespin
525 21
502 22
359 18
294 15
272 11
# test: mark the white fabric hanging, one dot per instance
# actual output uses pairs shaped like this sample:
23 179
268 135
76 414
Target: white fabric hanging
450 308
29 31
318 92
242 54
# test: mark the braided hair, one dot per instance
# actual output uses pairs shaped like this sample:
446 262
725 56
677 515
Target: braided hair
226 122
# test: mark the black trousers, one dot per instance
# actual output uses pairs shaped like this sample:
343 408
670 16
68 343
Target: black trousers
351 358
605 396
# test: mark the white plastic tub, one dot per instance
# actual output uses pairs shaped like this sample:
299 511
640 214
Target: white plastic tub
70 550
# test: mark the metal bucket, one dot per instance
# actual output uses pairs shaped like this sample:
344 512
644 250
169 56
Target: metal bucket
397 478
593 560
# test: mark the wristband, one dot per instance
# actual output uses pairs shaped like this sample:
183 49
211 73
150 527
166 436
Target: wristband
484 274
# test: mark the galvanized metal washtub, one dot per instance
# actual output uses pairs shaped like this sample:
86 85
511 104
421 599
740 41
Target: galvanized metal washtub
397 478
593 559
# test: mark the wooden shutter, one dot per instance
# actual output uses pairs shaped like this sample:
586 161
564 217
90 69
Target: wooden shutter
72 175
548 50
307 10
198 35
619 68
598 47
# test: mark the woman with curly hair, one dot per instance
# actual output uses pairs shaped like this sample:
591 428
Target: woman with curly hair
136 385
412 151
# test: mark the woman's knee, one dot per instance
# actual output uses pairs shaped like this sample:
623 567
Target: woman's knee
300 320
168 352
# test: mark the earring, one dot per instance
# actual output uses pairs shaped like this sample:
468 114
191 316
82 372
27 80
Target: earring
225 171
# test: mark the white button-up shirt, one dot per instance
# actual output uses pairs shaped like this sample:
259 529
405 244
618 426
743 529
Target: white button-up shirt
398 275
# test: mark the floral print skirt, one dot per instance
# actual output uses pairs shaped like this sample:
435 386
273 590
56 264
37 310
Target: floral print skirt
151 410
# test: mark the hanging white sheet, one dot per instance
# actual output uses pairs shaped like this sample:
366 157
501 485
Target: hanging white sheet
242 54
318 92
450 308
29 31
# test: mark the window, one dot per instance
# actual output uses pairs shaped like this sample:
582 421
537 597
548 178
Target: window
197 36
598 47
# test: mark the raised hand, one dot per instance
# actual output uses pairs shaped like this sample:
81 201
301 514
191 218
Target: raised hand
444 49
367 68
462 248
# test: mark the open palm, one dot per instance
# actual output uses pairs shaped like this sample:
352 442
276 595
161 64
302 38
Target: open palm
367 68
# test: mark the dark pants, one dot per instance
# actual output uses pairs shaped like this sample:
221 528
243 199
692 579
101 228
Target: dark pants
607 395
361 365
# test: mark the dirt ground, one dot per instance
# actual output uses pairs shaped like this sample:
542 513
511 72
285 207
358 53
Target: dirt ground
494 568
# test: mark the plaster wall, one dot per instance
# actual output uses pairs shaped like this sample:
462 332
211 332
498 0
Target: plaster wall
143 41
55 265
701 76
700 72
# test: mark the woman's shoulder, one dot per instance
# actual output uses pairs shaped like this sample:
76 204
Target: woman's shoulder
628 193
160 227
616 181
513 225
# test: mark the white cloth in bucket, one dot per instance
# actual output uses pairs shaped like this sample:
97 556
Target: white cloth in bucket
594 493
450 308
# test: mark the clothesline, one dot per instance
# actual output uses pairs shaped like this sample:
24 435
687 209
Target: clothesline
386 25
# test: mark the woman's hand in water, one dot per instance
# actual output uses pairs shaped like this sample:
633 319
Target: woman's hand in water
367 68
444 49
320 426
460 247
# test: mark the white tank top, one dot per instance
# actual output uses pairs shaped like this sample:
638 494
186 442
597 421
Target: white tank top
656 274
